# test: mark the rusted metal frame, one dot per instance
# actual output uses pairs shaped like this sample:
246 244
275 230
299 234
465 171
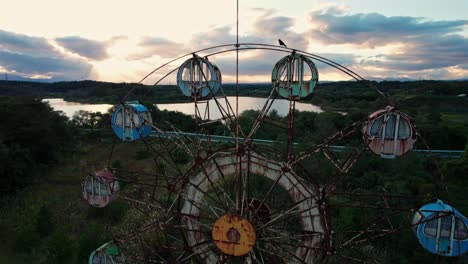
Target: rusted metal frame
394 211
260 254
140 202
324 60
139 174
180 260
280 216
128 237
205 194
365 232
227 116
292 108
226 209
270 253
180 134
310 178
282 248
331 188
143 212
143 259
171 162
198 116
185 228
203 202
263 113
142 183
273 251
401 228
218 168
200 224
288 211
238 171
149 147
268 194
259 46
222 258
271 122
343 167
326 142
246 184
303 183
178 142
207 249
387 206
277 242
348 258
296 237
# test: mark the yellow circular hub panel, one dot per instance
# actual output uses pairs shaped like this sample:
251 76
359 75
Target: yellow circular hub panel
234 235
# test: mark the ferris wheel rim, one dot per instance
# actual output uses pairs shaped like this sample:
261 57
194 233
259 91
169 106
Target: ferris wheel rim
259 46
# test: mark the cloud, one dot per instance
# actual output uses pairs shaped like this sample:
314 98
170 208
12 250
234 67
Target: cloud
334 27
425 53
161 47
12 42
33 57
58 68
90 49
213 37
271 28
426 47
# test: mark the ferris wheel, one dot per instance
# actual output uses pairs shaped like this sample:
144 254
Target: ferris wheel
231 197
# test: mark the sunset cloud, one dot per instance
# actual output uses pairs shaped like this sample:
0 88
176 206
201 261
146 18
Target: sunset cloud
35 58
91 49
371 43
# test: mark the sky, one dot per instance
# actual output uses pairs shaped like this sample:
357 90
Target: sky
122 41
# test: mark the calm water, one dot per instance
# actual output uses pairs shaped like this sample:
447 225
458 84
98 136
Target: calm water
69 108
245 103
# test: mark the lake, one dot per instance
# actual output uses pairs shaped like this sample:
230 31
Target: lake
245 103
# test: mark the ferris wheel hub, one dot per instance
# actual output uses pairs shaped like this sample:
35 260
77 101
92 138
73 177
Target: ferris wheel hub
234 235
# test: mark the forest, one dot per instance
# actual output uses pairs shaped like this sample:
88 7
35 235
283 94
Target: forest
45 156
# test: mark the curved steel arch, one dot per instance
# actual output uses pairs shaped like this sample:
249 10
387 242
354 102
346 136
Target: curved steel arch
261 46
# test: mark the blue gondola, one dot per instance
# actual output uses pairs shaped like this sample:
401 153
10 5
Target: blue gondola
131 121
441 229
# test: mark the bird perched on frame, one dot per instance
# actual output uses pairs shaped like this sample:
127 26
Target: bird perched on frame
281 43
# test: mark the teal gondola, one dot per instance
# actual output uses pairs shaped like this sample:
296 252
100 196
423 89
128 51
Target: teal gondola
107 254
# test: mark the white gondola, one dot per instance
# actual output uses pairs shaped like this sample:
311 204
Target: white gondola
101 188
389 133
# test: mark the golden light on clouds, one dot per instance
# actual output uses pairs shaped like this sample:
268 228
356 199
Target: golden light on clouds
116 40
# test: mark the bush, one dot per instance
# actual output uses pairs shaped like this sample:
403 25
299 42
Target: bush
91 238
113 213
44 224
59 247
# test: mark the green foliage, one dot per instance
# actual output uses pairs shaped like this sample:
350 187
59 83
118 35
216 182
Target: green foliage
93 236
113 213
142 154
32 139
58 248
27 238
116 164
44 223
